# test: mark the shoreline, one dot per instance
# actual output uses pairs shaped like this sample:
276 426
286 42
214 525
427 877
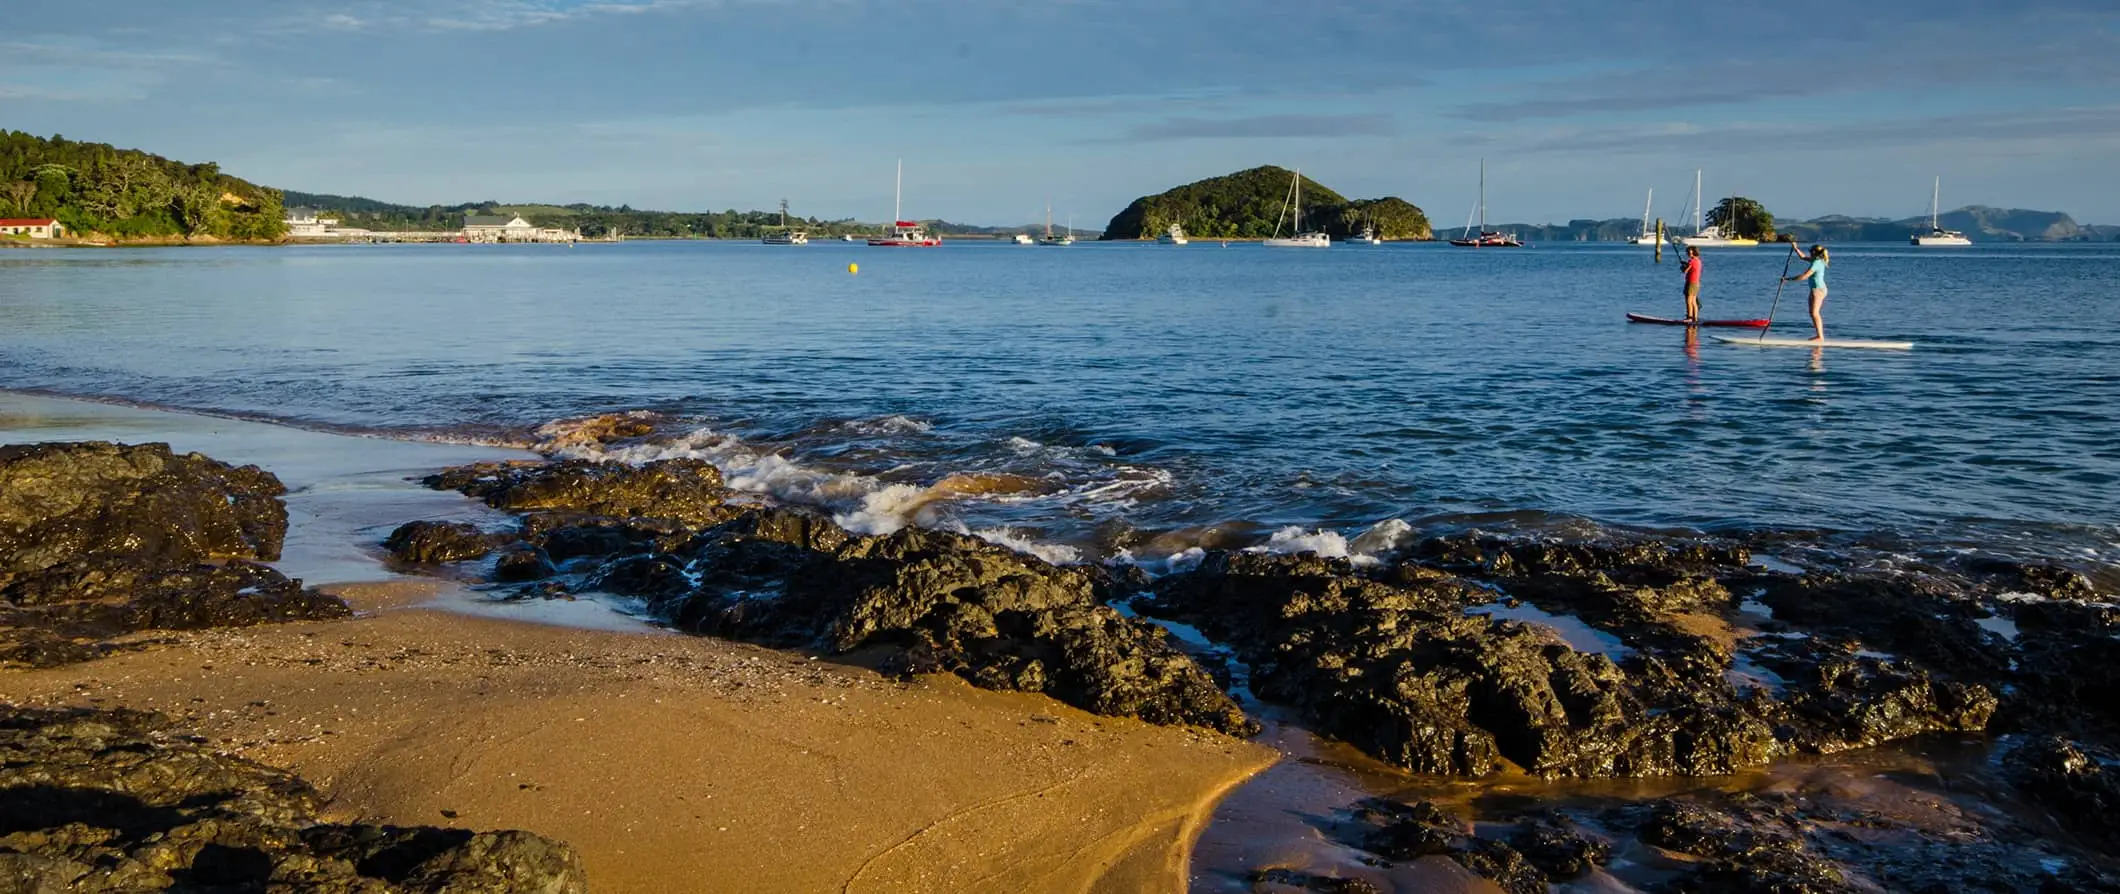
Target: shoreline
772 770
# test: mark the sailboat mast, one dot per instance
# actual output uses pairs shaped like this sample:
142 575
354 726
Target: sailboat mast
1483 197
1298 222
1696 201
898 195
1935 195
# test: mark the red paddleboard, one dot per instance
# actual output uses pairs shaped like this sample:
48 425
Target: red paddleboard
1734 324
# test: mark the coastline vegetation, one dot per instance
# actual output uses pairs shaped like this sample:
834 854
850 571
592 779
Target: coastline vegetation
1249 204
96 189
598 221
1740 216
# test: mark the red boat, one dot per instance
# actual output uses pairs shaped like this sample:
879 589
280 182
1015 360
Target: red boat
906 233
1666 321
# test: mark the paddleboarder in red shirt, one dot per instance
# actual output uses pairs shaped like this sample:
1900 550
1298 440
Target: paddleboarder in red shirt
1692 272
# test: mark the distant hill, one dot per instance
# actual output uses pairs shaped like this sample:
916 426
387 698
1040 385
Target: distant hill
1978 222
1249 203
96 188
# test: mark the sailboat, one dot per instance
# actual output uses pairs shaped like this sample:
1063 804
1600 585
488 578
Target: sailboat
1049 238
1937 235
904 233
1709 236
1368 236
1486 238
1648 236
785 236
1301 239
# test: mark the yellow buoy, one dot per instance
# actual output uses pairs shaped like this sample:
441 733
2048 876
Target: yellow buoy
854 268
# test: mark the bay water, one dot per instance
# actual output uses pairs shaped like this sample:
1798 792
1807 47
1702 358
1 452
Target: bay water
1140 400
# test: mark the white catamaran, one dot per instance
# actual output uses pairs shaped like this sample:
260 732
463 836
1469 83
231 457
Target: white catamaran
1937 235
1301 239
904 233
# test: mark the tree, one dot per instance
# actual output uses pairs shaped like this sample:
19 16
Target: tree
20 194
1740 216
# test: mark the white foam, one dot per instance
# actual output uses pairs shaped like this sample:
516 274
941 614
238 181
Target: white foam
894 424
1381 537
1055 553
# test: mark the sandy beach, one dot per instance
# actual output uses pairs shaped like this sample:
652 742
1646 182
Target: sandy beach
670 762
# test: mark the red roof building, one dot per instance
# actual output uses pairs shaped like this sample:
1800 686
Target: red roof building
33 227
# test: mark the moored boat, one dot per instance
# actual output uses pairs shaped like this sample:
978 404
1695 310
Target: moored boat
1487 238
1174 235
1301 239
903 233
786 235
1937 235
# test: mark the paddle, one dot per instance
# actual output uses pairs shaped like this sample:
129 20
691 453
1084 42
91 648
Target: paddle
1784 280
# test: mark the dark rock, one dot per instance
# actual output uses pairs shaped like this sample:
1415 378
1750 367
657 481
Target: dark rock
685 490
139 502
1410 831
112 801
432 542
522 563
1751 846
2039 578
1282 877
1560 848
2080 782
98 540
946 603
1404 673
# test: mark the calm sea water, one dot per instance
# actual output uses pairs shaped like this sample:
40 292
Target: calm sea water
1054 396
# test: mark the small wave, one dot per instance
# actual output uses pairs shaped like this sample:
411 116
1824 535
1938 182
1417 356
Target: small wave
894 424
1054 553
1366 548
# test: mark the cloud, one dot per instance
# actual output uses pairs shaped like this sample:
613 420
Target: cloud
1260 127
2037 128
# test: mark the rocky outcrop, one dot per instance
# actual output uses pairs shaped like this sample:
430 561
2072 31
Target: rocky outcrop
1408 664
114 801
59 502
683 490
101 540
925 601
432 542
2079 782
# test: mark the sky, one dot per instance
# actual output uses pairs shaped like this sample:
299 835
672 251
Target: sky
998 107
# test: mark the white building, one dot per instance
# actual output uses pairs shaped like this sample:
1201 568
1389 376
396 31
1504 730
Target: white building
306 222
33 227
512 228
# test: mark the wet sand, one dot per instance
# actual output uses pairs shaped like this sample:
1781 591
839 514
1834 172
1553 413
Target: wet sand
670 762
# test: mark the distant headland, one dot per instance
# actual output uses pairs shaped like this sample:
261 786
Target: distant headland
54 190
1250 204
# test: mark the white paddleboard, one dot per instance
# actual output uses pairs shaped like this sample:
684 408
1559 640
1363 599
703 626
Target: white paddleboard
1808 343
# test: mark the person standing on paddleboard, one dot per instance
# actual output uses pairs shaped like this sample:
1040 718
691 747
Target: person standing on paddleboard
1692 272
1817 275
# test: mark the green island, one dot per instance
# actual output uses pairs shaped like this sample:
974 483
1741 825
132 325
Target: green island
1249 203
98 190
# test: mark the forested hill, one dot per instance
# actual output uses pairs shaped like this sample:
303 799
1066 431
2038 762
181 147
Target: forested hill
600 220
1248 204
125 193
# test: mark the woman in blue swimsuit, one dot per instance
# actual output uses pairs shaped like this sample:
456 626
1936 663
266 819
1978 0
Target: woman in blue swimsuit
1817 275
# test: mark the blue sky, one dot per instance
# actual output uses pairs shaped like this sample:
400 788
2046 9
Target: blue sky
997 106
